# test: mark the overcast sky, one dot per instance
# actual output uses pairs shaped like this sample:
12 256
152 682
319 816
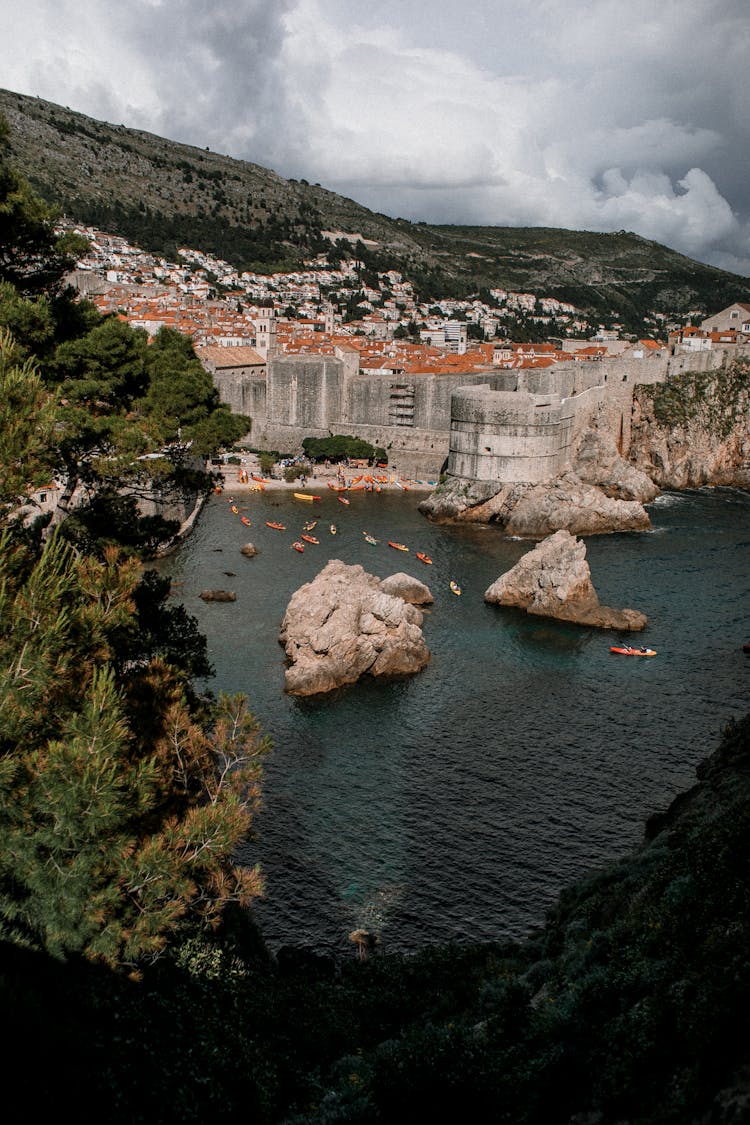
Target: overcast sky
589 114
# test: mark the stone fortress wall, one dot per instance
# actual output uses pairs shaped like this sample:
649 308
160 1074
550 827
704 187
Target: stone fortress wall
494 425
526 433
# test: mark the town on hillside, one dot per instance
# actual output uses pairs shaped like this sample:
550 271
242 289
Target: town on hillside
441 387
322 308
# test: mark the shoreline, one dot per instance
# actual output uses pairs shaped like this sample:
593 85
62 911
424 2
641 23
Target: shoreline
319 479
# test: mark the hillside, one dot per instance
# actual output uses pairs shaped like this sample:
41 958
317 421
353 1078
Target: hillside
162 194
628 1007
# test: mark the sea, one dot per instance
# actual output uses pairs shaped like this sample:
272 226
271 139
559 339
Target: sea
453 806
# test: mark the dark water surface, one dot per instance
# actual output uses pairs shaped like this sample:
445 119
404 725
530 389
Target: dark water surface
456 805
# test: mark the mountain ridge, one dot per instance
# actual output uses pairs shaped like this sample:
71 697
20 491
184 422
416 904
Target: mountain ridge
162 194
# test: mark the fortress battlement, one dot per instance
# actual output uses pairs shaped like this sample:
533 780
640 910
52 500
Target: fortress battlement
491 425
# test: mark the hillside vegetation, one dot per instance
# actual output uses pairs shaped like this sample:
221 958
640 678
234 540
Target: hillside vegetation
161 195
630 1007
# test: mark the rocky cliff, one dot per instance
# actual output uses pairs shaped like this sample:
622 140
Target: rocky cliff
691 431
695 429
535 510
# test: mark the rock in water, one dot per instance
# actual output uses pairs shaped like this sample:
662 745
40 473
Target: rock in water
343 625
554 580
571 505
407 588
534 510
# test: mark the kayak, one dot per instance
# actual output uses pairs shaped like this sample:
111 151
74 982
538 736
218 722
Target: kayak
235 509
245 520
342 499
369 538
298 546
455 588
309 539
276 526
424 558
336 487
310 525
397 546
332 529
626 650
305 496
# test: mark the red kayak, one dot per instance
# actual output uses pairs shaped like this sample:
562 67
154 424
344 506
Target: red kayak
627 650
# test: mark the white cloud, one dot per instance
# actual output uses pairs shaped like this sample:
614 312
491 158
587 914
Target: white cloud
598 115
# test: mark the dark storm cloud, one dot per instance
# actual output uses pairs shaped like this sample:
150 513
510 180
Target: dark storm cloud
593 114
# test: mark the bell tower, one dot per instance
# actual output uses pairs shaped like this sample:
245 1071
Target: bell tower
265 333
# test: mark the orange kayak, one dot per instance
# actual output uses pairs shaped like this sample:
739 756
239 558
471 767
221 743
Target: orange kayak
626 650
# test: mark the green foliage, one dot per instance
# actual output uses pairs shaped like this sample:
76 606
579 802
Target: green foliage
267 461
27 420
182 399
713 400
123 796
112 519
118 813
27 320
32 256
337 447
630 1005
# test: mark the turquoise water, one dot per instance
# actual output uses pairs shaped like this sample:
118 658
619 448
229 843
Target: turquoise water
456 804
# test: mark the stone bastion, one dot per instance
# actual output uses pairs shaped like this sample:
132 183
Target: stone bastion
510 436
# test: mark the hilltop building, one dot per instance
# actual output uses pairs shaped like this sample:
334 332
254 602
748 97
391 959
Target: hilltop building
736 316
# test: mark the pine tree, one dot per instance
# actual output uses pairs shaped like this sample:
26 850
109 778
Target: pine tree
123 798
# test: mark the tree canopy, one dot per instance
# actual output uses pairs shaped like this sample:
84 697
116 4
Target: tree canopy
339 446
124 794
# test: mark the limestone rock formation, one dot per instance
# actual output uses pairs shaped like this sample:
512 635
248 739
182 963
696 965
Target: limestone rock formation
218 596
344 625
700 435
554 580
570 504
407 588
535 510
597 462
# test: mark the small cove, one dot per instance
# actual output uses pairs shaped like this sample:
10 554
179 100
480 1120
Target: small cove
454 806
